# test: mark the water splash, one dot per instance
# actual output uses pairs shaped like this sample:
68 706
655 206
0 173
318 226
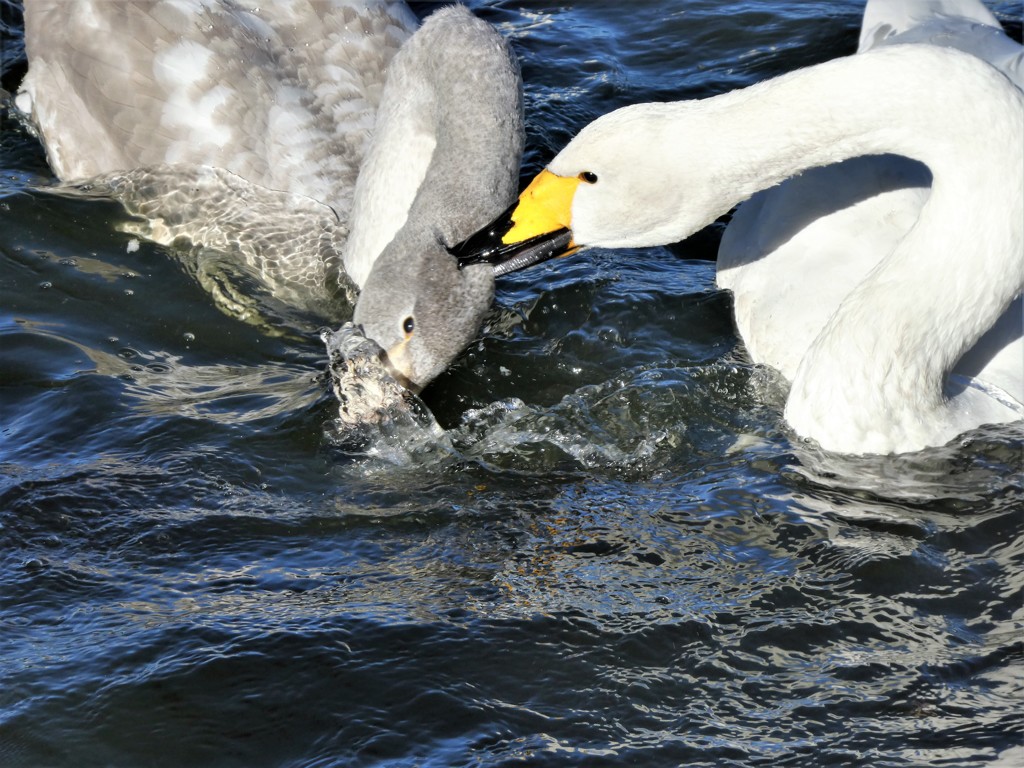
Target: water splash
377 417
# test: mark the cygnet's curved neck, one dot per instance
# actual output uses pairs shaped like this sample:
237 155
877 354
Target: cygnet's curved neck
874 377
447 141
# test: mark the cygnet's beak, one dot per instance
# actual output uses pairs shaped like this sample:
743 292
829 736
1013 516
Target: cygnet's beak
537 227
355 357
399 364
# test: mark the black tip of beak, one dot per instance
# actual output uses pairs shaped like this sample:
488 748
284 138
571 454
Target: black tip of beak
486 247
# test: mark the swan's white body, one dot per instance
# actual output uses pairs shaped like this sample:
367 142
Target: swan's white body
314 140
863 284
793 253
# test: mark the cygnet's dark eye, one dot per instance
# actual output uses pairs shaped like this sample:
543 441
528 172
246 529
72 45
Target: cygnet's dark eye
588 176
408 325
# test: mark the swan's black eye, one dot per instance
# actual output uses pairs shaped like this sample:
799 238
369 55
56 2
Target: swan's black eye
408 325
588 176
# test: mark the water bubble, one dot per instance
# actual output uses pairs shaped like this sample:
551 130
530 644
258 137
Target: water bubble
189 337
46 285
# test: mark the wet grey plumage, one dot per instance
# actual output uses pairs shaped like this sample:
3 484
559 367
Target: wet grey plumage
297 137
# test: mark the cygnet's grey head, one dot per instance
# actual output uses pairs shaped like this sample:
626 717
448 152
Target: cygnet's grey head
424 315
460 86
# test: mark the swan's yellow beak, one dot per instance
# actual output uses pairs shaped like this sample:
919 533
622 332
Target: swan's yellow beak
545 206
537 227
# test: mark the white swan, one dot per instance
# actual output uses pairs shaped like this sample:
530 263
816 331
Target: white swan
316 141
792 253
865 288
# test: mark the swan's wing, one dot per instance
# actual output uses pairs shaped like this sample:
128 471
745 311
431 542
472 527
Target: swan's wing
282 94
791 254
963 24
884 19
998 356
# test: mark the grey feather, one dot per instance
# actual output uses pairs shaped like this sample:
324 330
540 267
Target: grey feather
278 133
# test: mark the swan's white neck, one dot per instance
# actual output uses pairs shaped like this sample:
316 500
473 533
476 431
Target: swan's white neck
874 379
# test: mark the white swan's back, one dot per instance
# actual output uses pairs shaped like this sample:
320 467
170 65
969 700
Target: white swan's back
966 25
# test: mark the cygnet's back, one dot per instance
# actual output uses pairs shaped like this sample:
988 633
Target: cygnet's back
285 99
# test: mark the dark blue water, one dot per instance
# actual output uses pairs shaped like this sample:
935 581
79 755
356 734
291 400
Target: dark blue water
615 555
